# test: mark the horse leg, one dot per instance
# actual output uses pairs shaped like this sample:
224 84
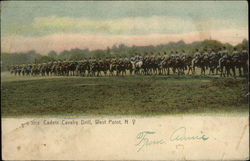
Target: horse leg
221 71
233 70
245 70
228 71
240 74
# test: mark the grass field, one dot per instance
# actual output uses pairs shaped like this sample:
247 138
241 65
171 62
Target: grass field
130 95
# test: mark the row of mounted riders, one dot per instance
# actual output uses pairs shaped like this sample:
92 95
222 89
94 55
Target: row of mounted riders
217 63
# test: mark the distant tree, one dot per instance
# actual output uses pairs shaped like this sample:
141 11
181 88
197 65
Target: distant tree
64 55
77 56
52 53
8 59
210 44
99 54
44 59
243 44
108 50
114 48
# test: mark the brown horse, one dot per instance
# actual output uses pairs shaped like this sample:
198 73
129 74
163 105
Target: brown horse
226 65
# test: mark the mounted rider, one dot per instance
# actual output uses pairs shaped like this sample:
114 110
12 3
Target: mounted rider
152 56
196 56
140 58
162 57
235 54
176 56
120 60
172 55
126 59
212 54
165 56
113 60
183 55
146 57
224 55
158 58
137 58
244 54
205 54
132 59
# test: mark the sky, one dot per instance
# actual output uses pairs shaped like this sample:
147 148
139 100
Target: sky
63 25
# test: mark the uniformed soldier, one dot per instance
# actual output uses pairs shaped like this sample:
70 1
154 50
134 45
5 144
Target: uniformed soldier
113 60
140 57
176 56
172 55
183 55
165 56
224 55
152 56
146 57
132 58
136 57
224 52
197 54
205 53
244 54
120 60
94 59
212 54
99 60
235 54
126 59
162 57
90 60
218 53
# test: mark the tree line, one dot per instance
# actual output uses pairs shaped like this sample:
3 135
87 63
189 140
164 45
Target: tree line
30 57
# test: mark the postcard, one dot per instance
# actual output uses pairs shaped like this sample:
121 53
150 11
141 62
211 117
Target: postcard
124 80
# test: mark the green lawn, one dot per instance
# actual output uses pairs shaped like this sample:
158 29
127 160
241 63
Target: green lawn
130 95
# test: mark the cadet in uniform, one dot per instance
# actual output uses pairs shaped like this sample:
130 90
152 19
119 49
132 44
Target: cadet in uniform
205 54
132 59
196 56
235 54
152 56
126 59
140 57
244 54
120 60
172 55
176 56
146 58
224 55
183 55
212 54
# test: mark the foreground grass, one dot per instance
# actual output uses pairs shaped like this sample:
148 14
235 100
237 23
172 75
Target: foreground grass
130 95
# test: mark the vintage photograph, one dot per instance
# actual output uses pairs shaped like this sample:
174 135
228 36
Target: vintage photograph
122 59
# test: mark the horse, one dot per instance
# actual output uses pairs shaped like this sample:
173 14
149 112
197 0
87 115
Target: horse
199 62
137 66
227 64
